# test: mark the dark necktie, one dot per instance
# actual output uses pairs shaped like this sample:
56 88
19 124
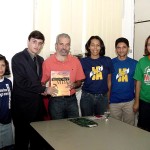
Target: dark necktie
35 63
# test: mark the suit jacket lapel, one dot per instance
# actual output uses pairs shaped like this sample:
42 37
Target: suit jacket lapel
30 61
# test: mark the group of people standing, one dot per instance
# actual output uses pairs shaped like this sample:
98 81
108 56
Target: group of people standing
120 85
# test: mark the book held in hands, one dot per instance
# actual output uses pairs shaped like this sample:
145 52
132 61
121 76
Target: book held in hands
61 79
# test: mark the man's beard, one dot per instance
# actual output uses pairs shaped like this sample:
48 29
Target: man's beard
64 52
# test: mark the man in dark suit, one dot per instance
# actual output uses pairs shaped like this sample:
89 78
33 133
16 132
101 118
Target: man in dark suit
27 103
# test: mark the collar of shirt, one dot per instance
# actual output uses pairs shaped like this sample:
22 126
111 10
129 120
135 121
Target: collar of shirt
2 79
31 55
67 59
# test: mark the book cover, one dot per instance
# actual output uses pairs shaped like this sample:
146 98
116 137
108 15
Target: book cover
60 80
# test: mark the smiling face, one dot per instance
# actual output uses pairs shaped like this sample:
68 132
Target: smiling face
2 68
122 50
35 45
95 48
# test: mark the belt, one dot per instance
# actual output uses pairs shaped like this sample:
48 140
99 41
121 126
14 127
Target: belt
69 96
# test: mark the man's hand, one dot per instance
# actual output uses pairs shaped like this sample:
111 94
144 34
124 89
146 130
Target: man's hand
53 91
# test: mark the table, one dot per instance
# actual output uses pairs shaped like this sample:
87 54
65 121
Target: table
110 134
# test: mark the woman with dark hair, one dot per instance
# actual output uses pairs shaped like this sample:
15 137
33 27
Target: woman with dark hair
87 46
96 87
142 92
6 134
147 43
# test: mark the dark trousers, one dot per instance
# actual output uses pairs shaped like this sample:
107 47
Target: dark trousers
93 104
8 148
23 113
144 115
22 135
63 107
29 138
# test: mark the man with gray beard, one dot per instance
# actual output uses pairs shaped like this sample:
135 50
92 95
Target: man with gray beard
63 106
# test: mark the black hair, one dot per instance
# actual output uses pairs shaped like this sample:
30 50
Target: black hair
146 52
37 35
87 45
7 70
121 40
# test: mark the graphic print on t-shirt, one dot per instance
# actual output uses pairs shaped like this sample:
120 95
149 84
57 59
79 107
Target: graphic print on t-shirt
4 92
147 75
96 73
122 75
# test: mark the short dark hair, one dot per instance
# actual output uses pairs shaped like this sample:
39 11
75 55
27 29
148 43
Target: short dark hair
121 40
87 45
37 35
146 42
7 70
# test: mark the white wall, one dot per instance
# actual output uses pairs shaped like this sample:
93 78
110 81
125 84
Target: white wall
15 25
80 19
17 21
142 26
128 23
142 11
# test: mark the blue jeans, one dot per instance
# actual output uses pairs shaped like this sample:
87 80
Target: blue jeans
93 104
63 107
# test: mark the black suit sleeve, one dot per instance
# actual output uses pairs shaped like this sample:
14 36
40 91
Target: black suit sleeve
25 77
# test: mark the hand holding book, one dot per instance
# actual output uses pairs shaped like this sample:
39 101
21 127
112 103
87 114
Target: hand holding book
74 85
54 90
71 85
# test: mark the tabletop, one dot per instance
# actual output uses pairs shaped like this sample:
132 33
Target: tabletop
110 134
